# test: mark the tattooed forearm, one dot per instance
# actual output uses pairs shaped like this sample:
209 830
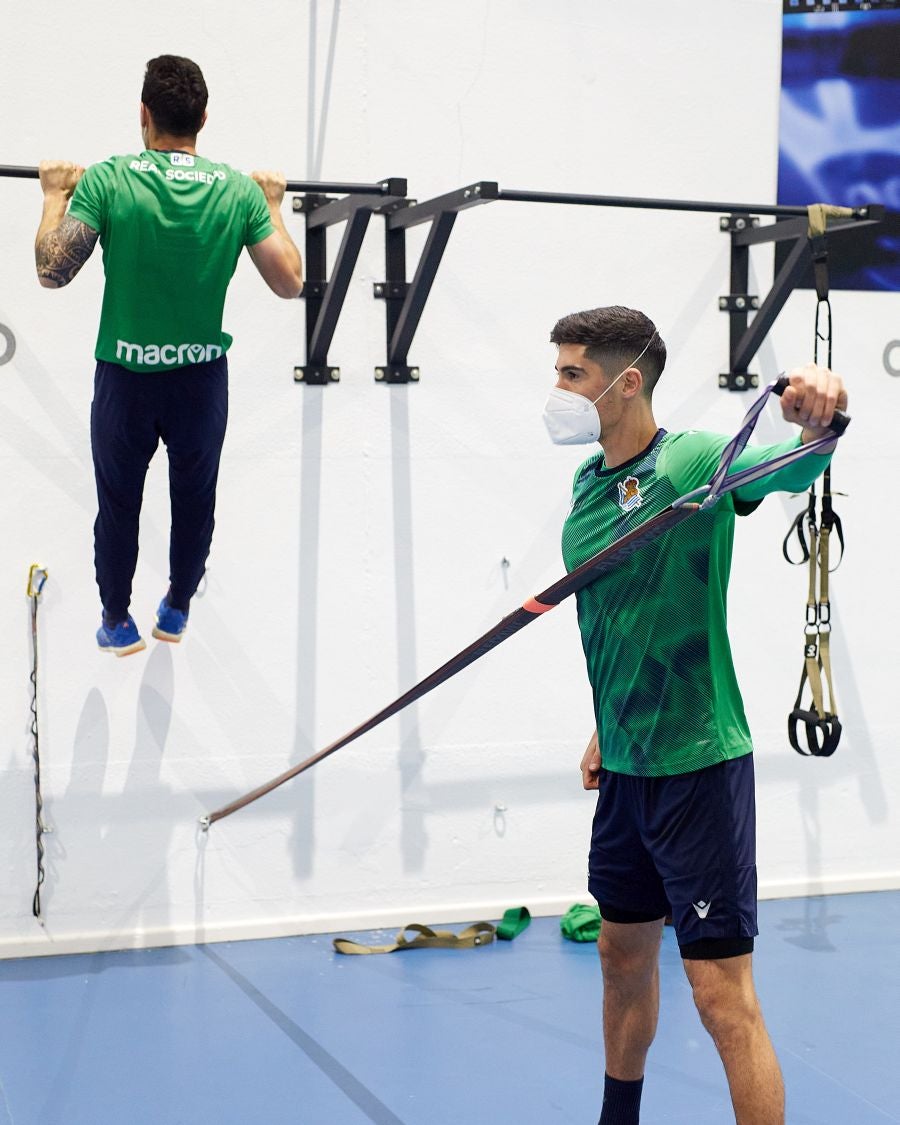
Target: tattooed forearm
60 253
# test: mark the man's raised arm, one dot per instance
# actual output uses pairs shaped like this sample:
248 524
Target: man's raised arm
63 244
276 257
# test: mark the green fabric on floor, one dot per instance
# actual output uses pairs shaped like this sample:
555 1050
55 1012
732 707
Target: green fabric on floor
581 923
515 920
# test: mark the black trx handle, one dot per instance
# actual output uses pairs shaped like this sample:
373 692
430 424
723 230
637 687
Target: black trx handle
822 733
830 520
809 515
838 423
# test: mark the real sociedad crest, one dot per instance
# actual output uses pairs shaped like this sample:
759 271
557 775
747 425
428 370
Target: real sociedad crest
630 494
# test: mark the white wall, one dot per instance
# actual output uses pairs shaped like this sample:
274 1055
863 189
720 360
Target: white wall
361 528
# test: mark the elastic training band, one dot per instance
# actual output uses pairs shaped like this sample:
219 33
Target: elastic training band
723 480
601 563
534 606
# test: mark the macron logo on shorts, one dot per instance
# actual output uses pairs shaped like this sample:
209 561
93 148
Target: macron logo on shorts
702 908
170 355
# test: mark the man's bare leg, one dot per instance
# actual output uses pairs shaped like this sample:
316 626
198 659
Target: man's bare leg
629 956
729 1008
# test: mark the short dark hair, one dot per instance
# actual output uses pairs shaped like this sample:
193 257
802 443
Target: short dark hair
175 93
614 337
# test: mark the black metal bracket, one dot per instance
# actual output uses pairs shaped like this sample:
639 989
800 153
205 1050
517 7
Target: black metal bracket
738 222
738 302
395 291
324 295
396 373
405 301
746 336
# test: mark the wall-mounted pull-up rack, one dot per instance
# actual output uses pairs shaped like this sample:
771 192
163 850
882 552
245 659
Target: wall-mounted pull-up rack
406 301
327 204
747 336
325 295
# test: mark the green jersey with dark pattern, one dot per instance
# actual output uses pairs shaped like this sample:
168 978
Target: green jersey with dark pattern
654 629
172 226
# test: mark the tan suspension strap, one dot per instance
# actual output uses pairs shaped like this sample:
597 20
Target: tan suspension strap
514 921
423 937
823 728
818 215
820 719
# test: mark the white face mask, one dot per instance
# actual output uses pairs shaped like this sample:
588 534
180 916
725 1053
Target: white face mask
572 419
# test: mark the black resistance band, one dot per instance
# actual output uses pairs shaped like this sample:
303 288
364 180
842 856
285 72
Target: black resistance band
604 561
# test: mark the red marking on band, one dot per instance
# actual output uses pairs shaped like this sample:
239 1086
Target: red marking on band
534 606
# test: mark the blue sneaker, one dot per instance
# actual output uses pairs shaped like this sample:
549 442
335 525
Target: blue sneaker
122 639
170 623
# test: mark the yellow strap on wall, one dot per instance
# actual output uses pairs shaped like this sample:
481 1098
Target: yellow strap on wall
818 215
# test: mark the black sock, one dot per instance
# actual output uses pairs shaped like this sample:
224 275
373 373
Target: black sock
170 601
621 1102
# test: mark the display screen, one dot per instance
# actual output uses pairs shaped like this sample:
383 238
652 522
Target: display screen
839 134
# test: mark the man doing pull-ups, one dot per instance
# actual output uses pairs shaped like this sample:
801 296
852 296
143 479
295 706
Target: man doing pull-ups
172 225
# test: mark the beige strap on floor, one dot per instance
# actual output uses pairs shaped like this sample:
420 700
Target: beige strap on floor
480 933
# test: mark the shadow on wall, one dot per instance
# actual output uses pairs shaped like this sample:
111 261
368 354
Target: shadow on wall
859 737
90 757
316 131
303 798
129 831
411 757
71 472
303 795
135 840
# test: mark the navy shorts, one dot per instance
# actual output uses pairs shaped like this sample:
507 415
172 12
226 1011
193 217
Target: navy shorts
683 845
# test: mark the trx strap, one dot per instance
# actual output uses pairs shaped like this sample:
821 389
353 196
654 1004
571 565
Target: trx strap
36 579
820 719
818 215
823 728
514 922
721 482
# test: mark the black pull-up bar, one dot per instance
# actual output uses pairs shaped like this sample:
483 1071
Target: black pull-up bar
516 196
384 187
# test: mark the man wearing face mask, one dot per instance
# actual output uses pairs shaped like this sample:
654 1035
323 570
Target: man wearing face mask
674 829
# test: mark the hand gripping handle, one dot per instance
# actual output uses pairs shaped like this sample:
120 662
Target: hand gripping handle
839 422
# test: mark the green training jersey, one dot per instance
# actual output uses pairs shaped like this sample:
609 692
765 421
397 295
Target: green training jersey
172 227
654 630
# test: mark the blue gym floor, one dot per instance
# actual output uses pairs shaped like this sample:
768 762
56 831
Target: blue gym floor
287 1031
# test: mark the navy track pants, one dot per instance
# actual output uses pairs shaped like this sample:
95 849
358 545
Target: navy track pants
188 409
